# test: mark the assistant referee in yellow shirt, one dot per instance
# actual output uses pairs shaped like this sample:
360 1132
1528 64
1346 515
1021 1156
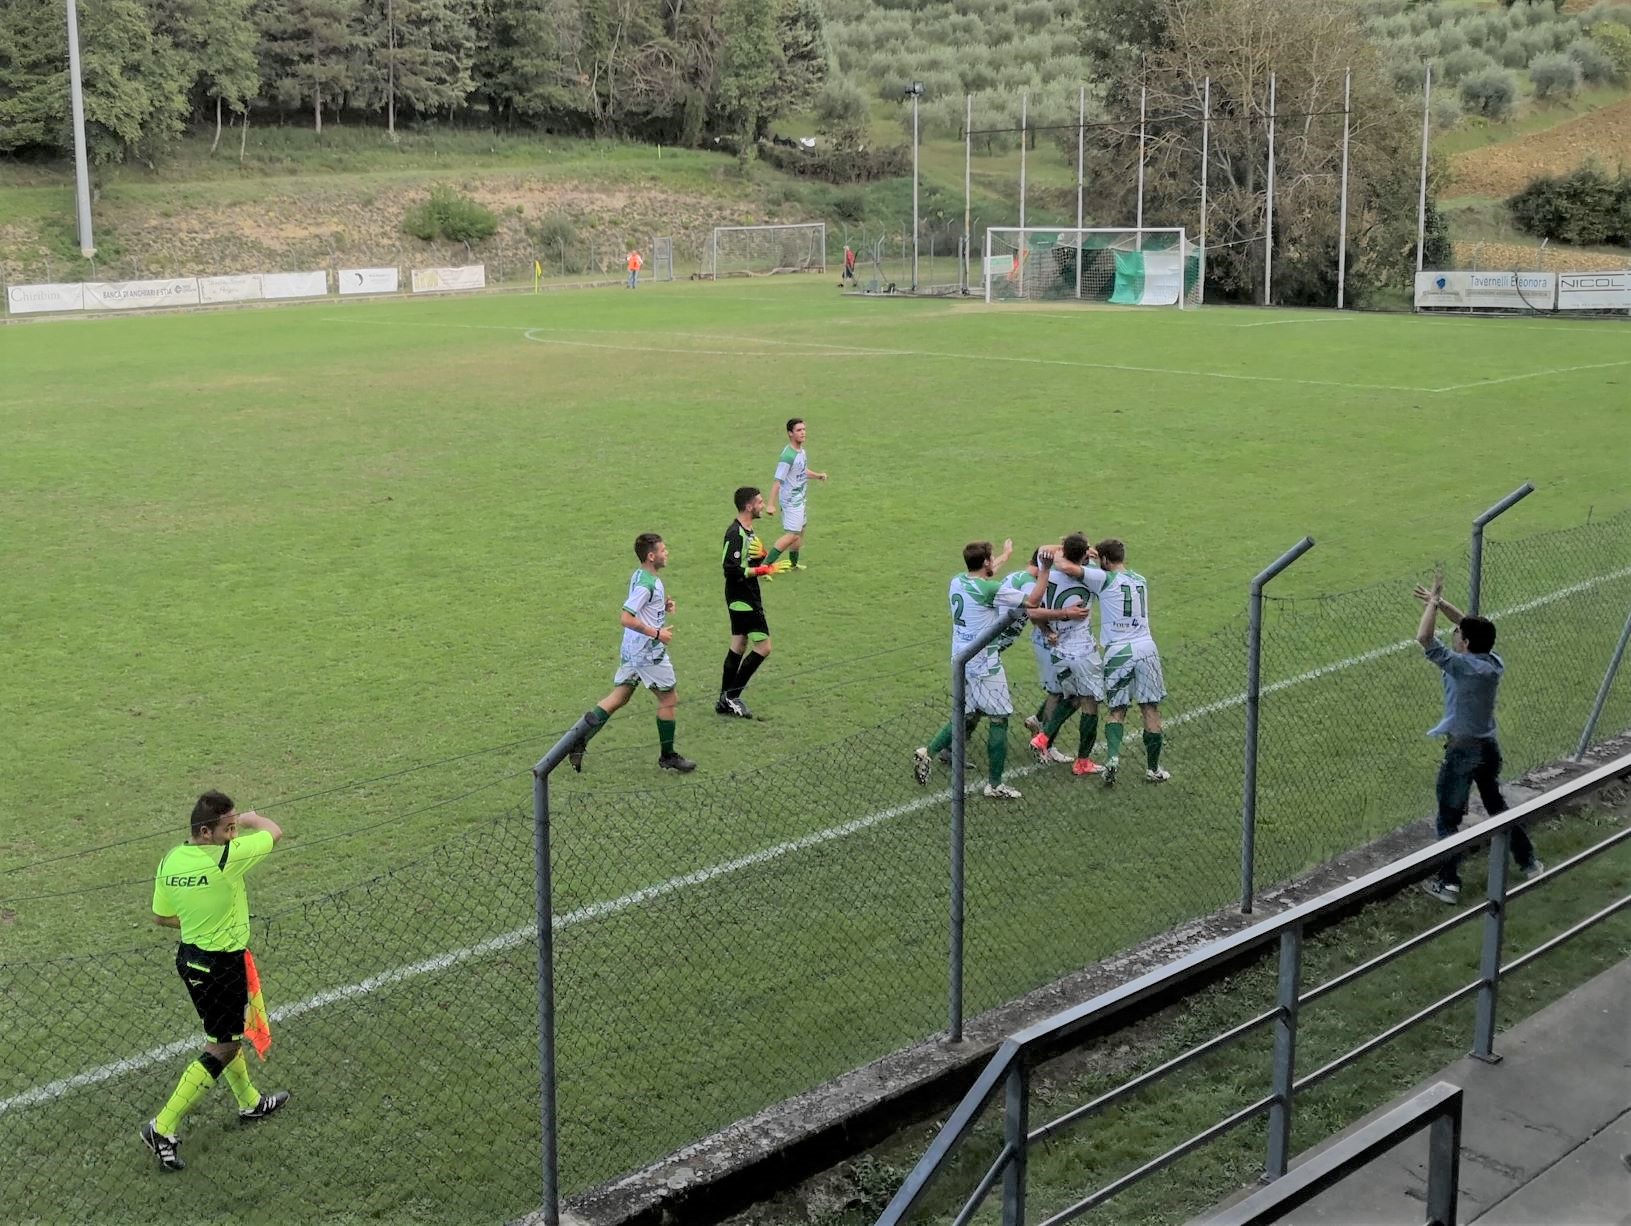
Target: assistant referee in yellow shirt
199 888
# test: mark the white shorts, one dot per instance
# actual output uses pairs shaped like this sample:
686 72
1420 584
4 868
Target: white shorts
987 693
657 676
1044 666
1131 678
1079 676
793 519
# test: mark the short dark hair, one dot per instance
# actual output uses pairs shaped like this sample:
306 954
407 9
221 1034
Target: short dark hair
976 554
1478 633
645 543
1111 550
744 495
1074 547
212 806
794 421
1036 557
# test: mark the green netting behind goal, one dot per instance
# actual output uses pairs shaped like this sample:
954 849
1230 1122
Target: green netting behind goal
1126 267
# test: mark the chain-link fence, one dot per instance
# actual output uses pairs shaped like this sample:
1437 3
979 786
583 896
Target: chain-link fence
740 938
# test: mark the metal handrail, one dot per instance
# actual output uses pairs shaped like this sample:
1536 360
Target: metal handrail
1013 1061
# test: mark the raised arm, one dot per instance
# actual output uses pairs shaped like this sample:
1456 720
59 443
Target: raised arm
1001 560
1429 614
1452 614
254 821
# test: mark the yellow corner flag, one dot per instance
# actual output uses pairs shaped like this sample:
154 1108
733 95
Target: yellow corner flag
537 275
257 1024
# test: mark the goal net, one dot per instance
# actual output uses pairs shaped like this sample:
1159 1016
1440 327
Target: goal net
760 251
1130 267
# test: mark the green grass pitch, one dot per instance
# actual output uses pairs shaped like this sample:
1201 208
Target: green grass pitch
299 554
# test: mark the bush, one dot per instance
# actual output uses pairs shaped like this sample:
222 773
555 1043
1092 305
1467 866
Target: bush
833 165
1491 93
1596 67
1463 63
1555 76
1586 206
1615 42
1445 112
449 215
841 112
1514 52
1608 10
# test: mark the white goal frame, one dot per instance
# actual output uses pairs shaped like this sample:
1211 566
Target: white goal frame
1136 236
712 271
662 258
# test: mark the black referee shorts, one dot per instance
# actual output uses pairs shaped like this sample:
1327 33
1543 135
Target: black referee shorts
219 986
750 622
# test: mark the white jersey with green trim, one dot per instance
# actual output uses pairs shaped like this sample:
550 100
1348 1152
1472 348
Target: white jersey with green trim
973 611
1011 595
1073 639
647 601
792 476
1124 613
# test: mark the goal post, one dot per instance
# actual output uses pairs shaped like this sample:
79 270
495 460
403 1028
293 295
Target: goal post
1127 265
762 251
662 258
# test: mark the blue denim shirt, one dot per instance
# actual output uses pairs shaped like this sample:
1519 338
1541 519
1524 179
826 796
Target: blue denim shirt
1470 682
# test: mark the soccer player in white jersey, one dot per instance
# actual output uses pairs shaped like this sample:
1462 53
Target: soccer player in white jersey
1078 674
787 492
1132 666
644 657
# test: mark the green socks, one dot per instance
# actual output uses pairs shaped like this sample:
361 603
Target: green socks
1152 748
665 737
1062 712
194 1084
793 556
1114 730
237 1075
996 749
1090 732
942 739
770 558
597 717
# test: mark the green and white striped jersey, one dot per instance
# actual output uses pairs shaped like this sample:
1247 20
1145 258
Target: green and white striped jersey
1124 611
1010 595
973 612
649 602
1074 639
792 476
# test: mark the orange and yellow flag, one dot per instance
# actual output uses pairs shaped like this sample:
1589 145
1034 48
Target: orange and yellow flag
257 1024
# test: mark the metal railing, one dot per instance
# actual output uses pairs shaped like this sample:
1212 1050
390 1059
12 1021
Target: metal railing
1012 1067
1437 1108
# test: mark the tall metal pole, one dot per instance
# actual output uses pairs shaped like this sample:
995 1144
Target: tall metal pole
545 921
1342 221
1081 177
82 175
1426 135
1475 579
968 184
1143 110
1602 691
1268 216
1206 151
915 93
1254 678
1024 115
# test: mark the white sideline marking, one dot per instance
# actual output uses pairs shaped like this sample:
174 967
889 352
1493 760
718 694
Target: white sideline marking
1535 374
1280 323
701 876
825 352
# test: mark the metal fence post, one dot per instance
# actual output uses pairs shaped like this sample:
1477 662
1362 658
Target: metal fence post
1268 213
1475 580
1489 955
1602 690
1444 1167
1342 221
1285 1049
1254 660
1016 1124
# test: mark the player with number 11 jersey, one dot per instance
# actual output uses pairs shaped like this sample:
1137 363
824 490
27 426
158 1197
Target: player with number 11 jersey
1132 665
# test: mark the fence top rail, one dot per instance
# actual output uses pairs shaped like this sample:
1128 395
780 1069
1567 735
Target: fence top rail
1314 1176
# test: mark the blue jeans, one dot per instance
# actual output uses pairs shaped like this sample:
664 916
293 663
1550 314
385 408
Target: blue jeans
634 276
1467 763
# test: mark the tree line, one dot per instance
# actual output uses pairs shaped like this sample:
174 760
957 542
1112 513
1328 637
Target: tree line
673 71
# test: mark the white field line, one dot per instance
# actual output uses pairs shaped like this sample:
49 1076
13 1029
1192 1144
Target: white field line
1281 323
1536 374
701 876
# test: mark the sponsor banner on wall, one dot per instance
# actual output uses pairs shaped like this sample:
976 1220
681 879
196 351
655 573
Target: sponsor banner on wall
134 295
430 280
245 288
30 299
1594 291
368 280
1509 291
295 284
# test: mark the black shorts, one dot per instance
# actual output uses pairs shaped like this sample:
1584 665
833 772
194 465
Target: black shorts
749 622
219 986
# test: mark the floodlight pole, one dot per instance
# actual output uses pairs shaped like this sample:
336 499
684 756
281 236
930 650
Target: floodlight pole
1342 221
1206 150
917 92
1143 108
968 183
82 177
1081 176
1268 216
1024 112
1426 135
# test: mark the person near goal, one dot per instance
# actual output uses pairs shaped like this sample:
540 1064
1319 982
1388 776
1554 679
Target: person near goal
199 888
788 489
635 264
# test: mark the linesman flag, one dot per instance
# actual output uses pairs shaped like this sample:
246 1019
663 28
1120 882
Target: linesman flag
537 275
257 1024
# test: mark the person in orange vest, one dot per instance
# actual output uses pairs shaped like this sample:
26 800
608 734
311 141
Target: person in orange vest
849 263
635 263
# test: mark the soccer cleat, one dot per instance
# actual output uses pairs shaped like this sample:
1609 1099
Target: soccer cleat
1001 791
574 756
1532 871
167 1148
676 762
798 566
267 1105
920 765
1058 755
741 711
730 706
1039 743
1085 766
1157 775
1444 891
1111 765
1032 724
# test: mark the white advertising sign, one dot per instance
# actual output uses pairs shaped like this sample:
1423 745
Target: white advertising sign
29 299
1511 291
368 280
229 289
429 280
133 295
1594 291
295 284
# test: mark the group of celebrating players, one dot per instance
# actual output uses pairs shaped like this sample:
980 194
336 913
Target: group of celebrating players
1055 594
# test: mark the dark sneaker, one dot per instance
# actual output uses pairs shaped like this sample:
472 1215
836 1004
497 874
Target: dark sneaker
920 765
1444 891
729 706
268 1104
741 710
168 1149
1531 871
574 756
676 762
1111 767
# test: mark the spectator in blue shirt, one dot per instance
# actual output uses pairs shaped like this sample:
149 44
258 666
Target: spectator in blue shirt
1472 676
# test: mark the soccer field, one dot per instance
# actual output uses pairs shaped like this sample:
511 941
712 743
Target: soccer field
358 565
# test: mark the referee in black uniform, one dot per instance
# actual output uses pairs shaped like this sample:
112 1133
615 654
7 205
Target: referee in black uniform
750 632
